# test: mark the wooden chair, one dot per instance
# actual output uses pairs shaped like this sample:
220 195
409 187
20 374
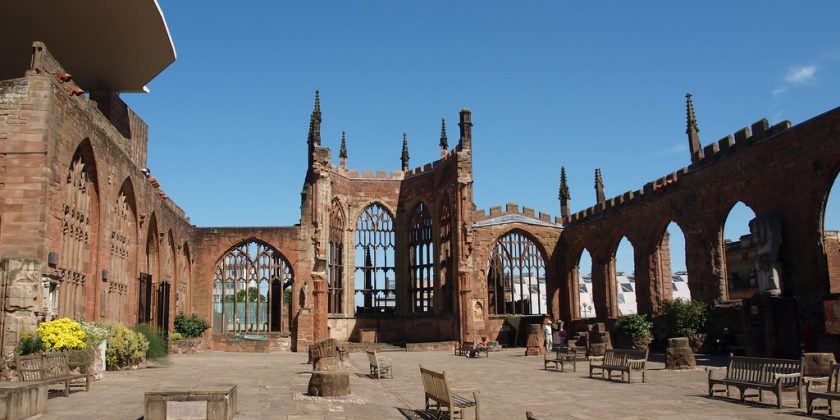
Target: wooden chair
379 366
444 399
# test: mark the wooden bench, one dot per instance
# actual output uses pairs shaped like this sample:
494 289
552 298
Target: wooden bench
441 396
464 349
379 366
831 393
761 374
560 356
50 367
624 361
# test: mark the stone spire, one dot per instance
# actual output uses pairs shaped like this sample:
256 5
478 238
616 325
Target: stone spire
342 151
444 142
466 129
599 187
564 195
404 157
692 131
315 122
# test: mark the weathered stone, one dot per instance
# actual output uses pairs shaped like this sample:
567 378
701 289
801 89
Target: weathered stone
679 355
329 384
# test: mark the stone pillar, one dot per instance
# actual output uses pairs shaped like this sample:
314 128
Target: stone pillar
536 342
705 263
604 288
570 294
22 292
329 378
679 356
304 329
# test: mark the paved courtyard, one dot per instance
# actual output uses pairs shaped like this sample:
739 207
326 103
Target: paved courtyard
270 387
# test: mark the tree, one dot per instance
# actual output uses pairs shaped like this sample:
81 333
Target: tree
253 296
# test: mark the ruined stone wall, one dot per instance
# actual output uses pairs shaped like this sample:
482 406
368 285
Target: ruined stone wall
43 124
538 227
781 171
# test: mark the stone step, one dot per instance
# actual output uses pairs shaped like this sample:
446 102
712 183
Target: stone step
380 347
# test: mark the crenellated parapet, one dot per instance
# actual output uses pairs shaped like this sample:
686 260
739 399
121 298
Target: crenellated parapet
514 213
759 132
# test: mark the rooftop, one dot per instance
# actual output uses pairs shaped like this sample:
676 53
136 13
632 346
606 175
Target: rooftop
104 44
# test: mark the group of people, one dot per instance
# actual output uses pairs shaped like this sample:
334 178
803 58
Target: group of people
555 334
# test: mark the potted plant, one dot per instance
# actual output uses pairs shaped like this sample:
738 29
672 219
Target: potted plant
635 330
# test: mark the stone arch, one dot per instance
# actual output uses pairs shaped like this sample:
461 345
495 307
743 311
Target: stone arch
251 289
672 273
516 275
582 273
739 280
445 260
123 237
829 228
79 233
622 275
335 258
150 276
184 289
421 254
375 275
167 289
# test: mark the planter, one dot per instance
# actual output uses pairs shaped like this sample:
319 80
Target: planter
627 342
642 343
187 346
696 342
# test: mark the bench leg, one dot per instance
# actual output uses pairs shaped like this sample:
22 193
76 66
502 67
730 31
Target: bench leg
67 388
778 396
760 396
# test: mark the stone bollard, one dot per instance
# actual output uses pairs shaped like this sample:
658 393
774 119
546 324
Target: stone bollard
679 356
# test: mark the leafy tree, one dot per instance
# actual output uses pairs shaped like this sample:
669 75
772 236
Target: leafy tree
685 318
253 296
634 326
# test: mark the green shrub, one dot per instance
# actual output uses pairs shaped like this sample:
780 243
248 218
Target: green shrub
685 318
158 347
30 344
634 326
190 326
62 334
125 347
176 336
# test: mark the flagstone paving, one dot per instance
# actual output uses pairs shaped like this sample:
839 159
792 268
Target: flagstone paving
270 386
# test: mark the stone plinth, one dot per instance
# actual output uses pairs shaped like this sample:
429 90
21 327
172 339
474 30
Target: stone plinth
329 384
328 378
679 356
535 340
21 400
211 403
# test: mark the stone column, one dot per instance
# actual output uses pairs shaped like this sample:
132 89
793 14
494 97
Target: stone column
707 278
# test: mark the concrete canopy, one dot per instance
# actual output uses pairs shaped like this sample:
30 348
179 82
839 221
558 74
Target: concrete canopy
115 45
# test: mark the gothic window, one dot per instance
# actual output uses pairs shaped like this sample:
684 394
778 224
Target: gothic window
185 280
375 281
151 277
248 290
335 274
445 257
75 253
516 277
421 260
122 229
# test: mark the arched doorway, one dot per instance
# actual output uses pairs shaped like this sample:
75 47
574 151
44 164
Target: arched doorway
674 240
251 288
624 277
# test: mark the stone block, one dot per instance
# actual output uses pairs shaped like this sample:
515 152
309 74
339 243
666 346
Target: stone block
329 384
678 355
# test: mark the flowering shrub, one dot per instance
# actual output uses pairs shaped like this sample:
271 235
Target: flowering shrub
125 347
176 336
62 334
95 333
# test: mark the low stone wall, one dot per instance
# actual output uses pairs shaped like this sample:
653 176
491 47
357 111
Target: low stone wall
434 346
20 400
188 346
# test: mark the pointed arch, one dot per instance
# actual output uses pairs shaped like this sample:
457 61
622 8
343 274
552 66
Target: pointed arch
151 274
622 273
123 252
375 281
739 252
77 258
249 288
335 272
182 299
516 275
670 262
583 272
445 260
421 260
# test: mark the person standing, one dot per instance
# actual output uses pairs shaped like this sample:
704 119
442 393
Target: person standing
549 342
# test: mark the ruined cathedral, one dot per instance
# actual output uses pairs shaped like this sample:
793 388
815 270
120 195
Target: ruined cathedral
393 257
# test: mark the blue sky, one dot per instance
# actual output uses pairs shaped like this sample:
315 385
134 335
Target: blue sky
580 84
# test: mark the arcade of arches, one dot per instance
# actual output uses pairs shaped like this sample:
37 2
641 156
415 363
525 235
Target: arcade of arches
405 256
